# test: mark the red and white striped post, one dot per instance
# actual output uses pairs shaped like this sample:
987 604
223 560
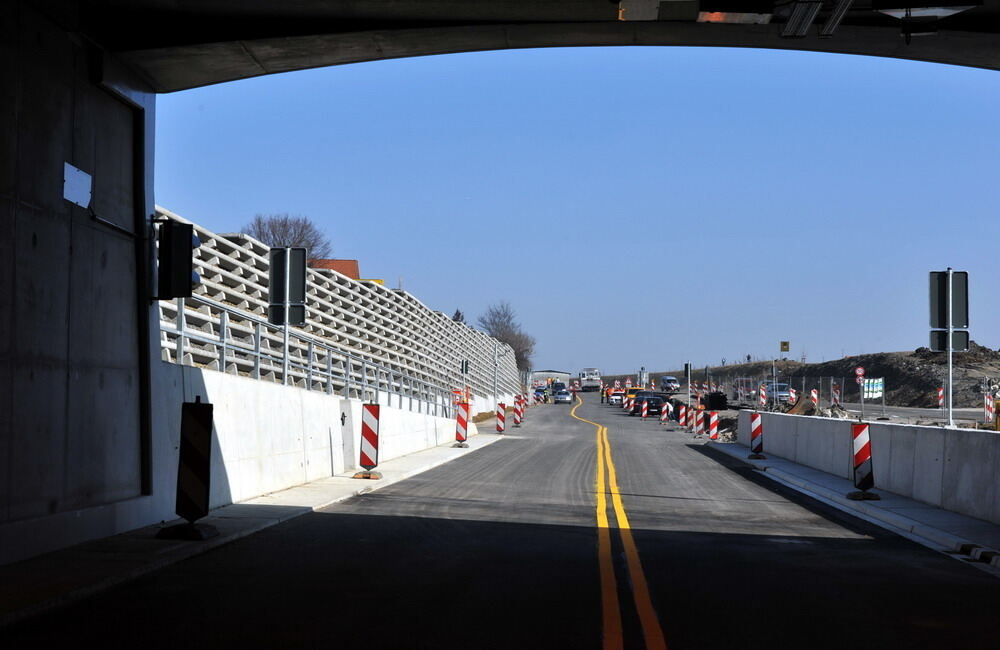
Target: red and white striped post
664 413
461 425
940 398
645 409
628 404
699 423
756 436
835 395
864 479
501 417
518 411
814 397
793 395
763 395
692 414
369 441
713 425
682 415
989 407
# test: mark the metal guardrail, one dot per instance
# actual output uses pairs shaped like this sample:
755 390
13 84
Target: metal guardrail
234 341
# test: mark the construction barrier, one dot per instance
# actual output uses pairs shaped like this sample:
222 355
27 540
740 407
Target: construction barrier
664 413
699 423
713 425
763 395
645 409
864 479
793 395
369 441
682 415
756 436
628 404
692 412
989 408
462 424
940 398
835 395
518 411
501 417
814 396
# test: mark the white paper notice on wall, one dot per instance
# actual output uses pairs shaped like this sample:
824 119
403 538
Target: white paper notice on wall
76 185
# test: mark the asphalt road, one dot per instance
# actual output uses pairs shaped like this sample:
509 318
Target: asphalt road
502 549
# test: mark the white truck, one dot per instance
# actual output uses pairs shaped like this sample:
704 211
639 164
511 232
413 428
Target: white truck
590 379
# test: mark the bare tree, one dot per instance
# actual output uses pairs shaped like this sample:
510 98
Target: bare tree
500 322
279 230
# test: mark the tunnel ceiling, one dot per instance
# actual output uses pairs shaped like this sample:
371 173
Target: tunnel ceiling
179 44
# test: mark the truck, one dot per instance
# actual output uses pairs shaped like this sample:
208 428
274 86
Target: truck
590 379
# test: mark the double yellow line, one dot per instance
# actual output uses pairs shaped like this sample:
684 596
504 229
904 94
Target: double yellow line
607 483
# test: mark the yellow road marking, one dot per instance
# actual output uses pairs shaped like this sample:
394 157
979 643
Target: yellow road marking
611 621
651 630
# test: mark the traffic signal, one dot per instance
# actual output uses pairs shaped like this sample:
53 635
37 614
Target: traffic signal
465 367
687 371
176 277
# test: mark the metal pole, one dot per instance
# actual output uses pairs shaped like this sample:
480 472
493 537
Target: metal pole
861 391
951 346
288 284
774 387
181 326
496 366
883 397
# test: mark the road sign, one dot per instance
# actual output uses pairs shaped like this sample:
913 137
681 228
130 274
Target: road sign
786 346
873 388
859 371
959 299
286 287
860 379
959 340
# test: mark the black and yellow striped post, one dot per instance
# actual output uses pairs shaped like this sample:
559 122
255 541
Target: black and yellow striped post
194 473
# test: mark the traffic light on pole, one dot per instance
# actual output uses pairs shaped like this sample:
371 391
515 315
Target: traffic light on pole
176 277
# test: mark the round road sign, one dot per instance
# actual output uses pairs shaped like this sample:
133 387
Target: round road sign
859 371
860 379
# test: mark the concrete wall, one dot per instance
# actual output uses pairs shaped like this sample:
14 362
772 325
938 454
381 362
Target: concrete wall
266 437
73 430
955 469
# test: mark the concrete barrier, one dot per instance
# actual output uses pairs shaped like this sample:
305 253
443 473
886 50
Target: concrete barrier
954 469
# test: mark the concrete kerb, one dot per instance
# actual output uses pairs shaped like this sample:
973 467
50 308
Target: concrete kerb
234 522
920 532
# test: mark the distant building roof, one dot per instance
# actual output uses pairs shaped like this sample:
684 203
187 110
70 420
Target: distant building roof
349 268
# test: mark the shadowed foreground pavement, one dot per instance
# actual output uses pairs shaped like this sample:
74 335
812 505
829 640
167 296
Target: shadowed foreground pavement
499 550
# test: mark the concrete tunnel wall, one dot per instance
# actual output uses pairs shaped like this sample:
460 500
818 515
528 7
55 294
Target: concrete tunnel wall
954 469
266 437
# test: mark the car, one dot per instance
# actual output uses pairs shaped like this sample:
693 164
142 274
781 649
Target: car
780 393
654 405
616 397
669 384
563 397
558 386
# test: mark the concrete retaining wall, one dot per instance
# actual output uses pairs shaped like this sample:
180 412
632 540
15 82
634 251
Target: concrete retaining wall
954 469
267 437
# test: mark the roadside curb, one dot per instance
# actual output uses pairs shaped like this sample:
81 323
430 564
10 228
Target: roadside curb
250 526
925 534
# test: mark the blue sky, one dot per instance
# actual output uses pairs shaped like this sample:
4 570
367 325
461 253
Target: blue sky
637 206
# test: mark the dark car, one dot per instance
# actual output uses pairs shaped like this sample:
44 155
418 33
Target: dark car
655 405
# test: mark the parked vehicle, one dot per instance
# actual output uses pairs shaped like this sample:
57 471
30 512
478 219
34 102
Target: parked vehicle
563 397
654 405
616 397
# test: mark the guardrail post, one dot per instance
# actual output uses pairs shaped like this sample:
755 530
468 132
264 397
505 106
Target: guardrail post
258 332
284 352
181 327
329 371
223 330
364 381
309 368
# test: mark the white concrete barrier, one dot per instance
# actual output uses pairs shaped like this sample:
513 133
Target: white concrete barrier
954 469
